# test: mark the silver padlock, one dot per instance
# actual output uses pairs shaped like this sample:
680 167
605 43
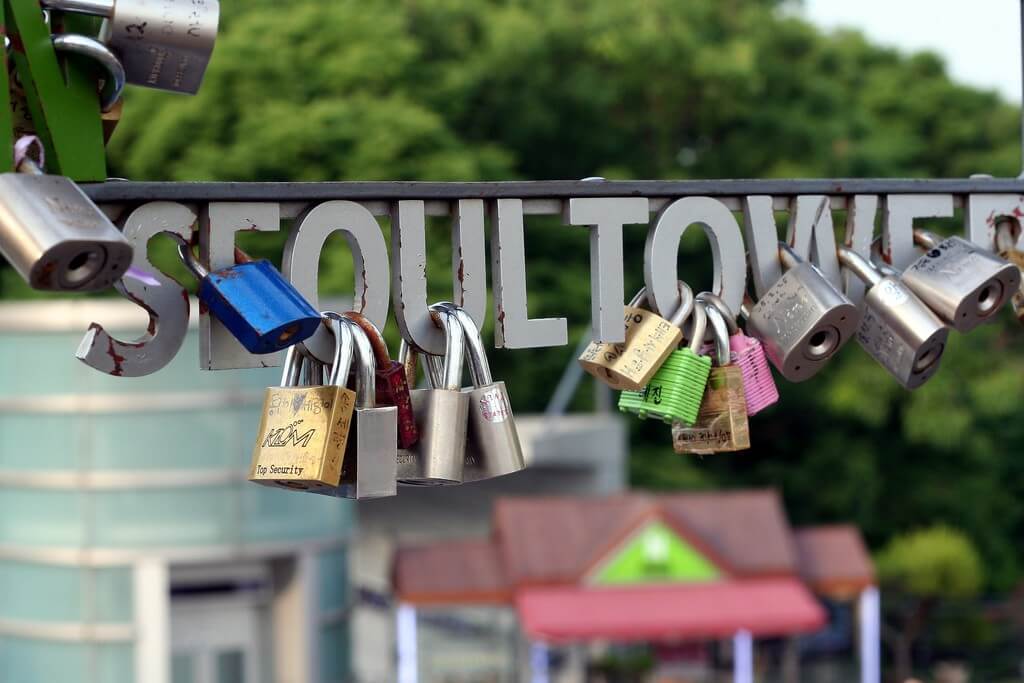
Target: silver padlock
370 466
442 417
802 320
164 44
493 448
55 237
964 284
897 329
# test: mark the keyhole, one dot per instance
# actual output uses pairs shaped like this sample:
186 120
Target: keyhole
83 267
822 343
928 358
989 298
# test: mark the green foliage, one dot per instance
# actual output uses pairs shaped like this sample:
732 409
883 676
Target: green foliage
938 562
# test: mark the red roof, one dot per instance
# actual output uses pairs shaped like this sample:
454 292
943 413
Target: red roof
556 540
452 572
834 560
764 607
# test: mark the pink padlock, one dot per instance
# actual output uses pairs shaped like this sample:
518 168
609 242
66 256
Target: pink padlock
747 353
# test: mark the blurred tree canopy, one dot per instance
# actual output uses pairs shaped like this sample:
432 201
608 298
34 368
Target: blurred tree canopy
506 89
918 570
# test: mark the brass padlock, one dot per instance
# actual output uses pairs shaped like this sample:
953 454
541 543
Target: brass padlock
1007 233
304 429
721 424
650 339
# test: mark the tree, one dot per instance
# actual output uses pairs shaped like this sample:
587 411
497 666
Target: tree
918 571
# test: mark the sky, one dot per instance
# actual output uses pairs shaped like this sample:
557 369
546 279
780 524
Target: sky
979 39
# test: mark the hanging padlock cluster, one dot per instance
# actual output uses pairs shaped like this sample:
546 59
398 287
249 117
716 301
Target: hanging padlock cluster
707 392
354 429
66 65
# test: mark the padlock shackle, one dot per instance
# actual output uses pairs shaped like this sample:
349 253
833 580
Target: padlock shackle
700 327
639 299
344 347
454 347
291 373
476 354
1007 234
366 367
859 266
85 46
188 258
381 354
686 305
788 257
720 329
723 308
96 8
927 238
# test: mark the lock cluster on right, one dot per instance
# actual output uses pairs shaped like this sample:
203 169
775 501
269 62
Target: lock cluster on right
700 372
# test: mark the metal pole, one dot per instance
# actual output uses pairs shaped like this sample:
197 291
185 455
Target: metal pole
1022 87
869 616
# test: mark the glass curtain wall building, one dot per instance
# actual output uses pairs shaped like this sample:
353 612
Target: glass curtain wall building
131 546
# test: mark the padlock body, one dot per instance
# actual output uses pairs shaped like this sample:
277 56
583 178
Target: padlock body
631 364
438 458
393 390
1016 257
56 238
802 321
901 333
370 466
964 284
675 391
721 424
759 388
493 448
258 306
302 438
164 44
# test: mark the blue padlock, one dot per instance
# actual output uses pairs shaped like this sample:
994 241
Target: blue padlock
255 303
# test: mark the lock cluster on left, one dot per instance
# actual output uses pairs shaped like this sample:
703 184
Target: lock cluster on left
66 65
351 426
707 391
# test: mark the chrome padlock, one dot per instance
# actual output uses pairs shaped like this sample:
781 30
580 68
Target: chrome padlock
442 416
493 448
748 355
721 425
962 283
304 429
802 320
649 341
164 44
677 389
55 237
369 469
897 329
254 302
1007 234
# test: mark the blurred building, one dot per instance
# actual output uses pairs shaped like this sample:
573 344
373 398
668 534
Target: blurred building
131 546
699 578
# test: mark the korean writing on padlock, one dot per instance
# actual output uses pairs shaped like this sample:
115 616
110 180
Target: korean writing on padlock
304 430
721 424
802 320
677 388
493 447
649 341
897 329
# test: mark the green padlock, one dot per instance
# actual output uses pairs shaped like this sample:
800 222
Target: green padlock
676 390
